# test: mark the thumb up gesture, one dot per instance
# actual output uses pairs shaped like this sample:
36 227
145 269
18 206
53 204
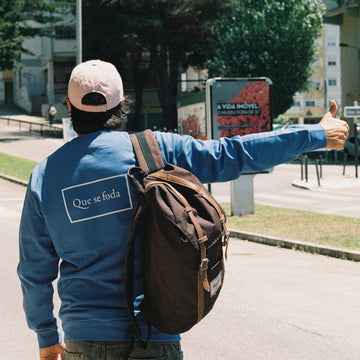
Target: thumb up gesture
336 130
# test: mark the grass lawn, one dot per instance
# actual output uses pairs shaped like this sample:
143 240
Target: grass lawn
323 229
16 167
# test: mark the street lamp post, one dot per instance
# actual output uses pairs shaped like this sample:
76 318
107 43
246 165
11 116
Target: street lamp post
78 32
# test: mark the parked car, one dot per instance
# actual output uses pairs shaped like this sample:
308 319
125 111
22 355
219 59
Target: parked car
283 126
277 126
349 147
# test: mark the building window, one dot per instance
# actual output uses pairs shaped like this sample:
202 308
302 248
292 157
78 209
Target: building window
317 85
296 103
65 32
332 82
309 103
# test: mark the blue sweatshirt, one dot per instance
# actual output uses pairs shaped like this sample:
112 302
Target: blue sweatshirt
77 214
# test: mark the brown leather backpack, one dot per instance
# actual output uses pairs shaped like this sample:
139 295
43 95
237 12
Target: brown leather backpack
183 232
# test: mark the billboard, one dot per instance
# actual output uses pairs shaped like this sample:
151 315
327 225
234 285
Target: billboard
191 120
238 106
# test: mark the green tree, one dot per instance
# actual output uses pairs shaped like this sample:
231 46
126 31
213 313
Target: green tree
271 38
21 19
345 2
109 34
173 33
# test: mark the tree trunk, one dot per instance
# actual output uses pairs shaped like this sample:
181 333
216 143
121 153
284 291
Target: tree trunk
140 77
166 70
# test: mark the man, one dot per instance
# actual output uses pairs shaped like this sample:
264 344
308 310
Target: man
51 114
79 206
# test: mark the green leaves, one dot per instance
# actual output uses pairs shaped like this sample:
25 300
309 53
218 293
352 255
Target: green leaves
172 32
272 38
20 19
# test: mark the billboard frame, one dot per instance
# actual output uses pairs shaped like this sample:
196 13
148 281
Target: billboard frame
210 117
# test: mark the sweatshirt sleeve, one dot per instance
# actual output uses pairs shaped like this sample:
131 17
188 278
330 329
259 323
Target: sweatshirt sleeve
37 269
227 158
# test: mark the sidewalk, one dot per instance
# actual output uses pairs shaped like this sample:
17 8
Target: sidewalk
341 184
22 143
32 147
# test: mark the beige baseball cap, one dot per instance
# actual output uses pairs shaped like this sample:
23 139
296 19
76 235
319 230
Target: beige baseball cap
95 76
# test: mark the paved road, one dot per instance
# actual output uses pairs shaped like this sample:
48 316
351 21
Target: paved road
276 304
275 189
280 304
15 339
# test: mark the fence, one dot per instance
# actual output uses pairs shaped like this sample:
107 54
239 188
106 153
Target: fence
37 127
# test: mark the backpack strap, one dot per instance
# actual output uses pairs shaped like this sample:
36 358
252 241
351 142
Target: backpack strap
134 328
147 151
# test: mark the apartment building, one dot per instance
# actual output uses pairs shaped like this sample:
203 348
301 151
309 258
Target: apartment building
41 78
309 107
347 17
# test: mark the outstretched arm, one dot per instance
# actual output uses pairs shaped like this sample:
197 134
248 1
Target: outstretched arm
228 158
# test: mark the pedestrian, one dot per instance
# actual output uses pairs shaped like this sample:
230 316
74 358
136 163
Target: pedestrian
51 114
78 210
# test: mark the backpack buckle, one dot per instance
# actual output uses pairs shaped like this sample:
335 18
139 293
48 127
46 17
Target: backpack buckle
204 264
226 242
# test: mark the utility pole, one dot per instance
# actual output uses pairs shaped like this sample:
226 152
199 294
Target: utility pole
78 32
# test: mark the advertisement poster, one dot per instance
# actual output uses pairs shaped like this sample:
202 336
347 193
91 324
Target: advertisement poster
192 120
238 106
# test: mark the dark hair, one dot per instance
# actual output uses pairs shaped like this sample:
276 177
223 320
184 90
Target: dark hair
85 122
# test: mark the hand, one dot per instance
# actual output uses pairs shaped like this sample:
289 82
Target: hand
53 352
337 131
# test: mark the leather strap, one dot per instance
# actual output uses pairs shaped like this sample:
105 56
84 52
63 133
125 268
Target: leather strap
138 153
147 151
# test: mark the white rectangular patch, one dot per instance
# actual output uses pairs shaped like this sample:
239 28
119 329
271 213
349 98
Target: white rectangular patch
97 198
215 284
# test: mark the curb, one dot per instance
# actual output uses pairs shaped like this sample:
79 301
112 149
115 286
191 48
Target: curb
14 180
339 253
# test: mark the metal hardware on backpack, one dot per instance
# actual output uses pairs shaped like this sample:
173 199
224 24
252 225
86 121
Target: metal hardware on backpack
183 232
